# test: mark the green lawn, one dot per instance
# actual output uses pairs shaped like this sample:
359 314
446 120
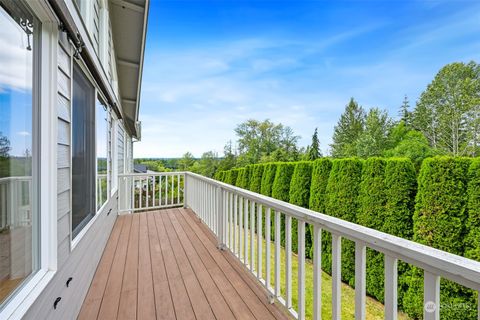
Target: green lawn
373 307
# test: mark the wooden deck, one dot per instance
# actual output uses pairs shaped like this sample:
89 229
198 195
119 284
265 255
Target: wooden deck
165 265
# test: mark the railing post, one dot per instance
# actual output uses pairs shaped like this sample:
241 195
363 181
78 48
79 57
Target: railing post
431 296
220 218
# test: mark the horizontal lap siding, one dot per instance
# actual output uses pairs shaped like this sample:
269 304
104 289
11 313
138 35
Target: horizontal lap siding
80 262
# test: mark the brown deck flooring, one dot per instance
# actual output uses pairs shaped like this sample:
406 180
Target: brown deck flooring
165 265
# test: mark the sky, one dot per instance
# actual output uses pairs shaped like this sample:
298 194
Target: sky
210 65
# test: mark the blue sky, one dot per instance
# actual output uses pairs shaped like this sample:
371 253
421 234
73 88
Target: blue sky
209 65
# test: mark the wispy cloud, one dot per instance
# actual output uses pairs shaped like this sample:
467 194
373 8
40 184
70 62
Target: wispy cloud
194 96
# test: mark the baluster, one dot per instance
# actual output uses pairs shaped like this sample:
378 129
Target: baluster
391 284
259 240
160 191
230 220
360 279
154 191
252 236
173 188
336 276
235 224
245 230
288 261
240 229
301 269
147 192
178 189
277 254
166 190
317 272
267 248
431 296
140 201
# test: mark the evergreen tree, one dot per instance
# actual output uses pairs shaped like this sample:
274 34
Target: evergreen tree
374 140
314 149
347 131
405 113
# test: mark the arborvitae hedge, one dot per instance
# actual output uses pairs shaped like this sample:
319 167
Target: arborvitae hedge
231 177
372 200
240 179
320 173
439 222
341 201
281 191
400 189
281 183
472 242
256 178
300 196
244 177
268 178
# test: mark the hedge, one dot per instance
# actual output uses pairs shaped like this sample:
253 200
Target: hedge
472 241
256 178
240 177
281 191
439 221
268 178
400 189
341 201
244 178
320 172
300 196
372 200
231 177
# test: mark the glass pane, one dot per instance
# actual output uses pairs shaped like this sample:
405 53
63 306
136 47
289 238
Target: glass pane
18 233
102 146
83 151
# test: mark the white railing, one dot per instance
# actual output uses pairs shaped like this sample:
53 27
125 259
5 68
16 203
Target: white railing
15 204
148 191
230 213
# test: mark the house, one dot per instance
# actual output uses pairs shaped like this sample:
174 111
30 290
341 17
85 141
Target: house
80 239
71 73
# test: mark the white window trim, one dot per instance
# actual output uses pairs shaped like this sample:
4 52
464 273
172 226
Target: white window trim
47 188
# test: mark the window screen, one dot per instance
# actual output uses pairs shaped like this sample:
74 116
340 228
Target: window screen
83 151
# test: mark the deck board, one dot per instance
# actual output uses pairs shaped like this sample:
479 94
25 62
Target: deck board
165 265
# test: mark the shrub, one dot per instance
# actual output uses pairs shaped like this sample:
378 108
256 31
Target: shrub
439 221
244 178
472 241
268 178
256 179
372 200
300 196
400 188
281 190
241 173
231 177
281 183
320 172
341 201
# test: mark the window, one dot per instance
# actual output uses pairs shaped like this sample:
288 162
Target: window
113 153
121 149
102 154
19 215
83 151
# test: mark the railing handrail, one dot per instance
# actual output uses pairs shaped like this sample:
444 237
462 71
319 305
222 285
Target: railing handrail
453 267
151 174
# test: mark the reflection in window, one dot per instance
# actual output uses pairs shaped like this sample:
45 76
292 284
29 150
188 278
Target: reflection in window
18 215
102 147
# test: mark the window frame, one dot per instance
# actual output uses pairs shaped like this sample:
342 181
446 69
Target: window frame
101 99
44 168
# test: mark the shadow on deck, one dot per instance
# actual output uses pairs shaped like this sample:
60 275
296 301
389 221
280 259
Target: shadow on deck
165 265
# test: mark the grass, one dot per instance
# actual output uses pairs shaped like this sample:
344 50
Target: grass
374 309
